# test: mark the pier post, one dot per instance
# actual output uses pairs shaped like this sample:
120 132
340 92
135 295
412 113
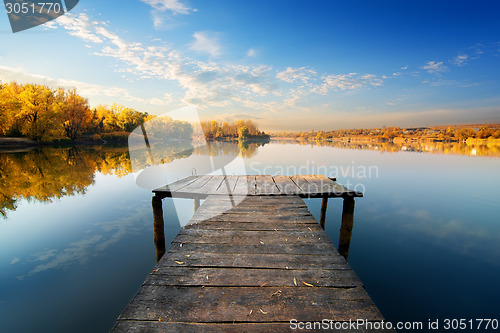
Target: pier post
346 226
322 218
196 204
159 229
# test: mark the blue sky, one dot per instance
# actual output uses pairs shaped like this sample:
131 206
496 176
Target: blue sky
289 65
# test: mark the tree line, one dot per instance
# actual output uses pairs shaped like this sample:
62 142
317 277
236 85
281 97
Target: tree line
437 133
241 129
44 114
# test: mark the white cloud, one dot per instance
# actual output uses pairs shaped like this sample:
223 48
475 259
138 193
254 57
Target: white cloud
80 26
435 67
174 6
292 75
460 60
14 260
351 81
251 53
162 7
210 84
206 42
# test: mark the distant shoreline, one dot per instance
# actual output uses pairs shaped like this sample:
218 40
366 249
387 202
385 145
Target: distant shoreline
365 139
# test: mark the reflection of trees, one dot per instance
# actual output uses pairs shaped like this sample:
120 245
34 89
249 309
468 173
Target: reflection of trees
160 153
52 173
46 174
218 148
454 148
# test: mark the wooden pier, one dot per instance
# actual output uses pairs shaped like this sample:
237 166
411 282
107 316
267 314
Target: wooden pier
252 258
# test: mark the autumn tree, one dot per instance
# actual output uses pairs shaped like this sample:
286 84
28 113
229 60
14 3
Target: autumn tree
243 133
76 114
38 112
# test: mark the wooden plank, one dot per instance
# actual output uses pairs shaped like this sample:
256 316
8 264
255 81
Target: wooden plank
248 237
277 261
286 186
211 186
266 186
177 276
194 186
318 185
303 184
228 185
245 186
228 304
253 226
284 218
177 184
310 249
176 327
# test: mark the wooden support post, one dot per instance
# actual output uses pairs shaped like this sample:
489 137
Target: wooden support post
196 204
346 226
159 229
322 219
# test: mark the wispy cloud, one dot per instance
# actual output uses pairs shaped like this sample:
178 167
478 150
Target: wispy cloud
174 6
292 75
211 84
251 53
434 67
460 60
161 9
14 260
206 42
349 81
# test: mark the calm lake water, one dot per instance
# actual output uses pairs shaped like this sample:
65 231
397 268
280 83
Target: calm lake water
76 236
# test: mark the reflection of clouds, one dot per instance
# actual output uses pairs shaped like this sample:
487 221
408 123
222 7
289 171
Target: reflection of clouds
77 252
96 241
14 260
45 255
457 236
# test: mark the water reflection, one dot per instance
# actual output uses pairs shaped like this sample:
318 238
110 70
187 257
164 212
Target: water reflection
489 149
48 174
51 173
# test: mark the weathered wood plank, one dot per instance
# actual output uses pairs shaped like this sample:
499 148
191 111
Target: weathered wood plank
242 260
254 226
286 185
311 249
184 276
248 237
193 187
318 185
212 185
177 184
266 186
242 186
304 185
228 304
228 185
230 327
